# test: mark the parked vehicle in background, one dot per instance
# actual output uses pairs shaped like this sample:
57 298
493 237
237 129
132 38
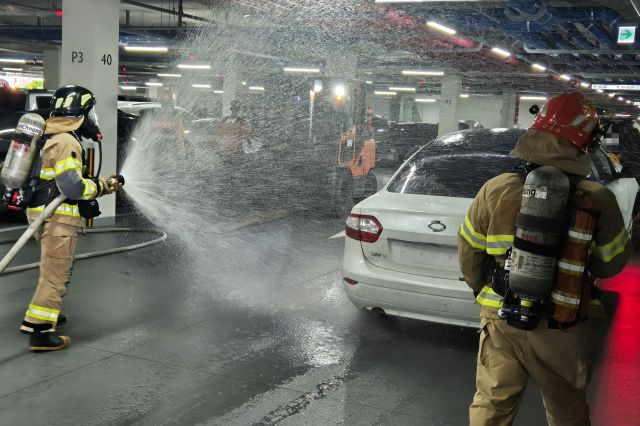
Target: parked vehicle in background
400 253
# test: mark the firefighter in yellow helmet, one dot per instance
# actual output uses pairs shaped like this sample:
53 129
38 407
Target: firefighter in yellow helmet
523 336
72 118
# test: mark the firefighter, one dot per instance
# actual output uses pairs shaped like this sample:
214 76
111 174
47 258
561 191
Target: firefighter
72 118
555 354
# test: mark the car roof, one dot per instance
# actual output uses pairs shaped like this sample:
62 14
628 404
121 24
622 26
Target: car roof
498 140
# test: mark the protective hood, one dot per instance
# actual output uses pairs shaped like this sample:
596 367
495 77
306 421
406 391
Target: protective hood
548 149
57 125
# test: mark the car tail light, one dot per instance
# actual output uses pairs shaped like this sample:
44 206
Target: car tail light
363 228
350 281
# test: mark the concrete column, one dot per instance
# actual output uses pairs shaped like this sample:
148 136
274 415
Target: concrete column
230 84
449 98
51 60
90 59
508 117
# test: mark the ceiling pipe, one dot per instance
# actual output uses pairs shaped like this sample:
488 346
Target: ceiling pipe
181 15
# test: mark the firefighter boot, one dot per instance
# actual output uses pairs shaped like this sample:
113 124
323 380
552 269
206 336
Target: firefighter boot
28 327
41 341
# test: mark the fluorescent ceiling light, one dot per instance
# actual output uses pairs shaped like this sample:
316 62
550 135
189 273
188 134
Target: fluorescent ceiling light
533 98
147 49
611 95
422 73
194 67
201 86
402 89
13 61
440 27
12 69
219 92
244 83
128 87
425 100
628 101
585 85
301 70
620 98
565 77
464 95
538 67
169 75
599 90
369 82
340 91
256 88
623 115
384 93
500 52
153 84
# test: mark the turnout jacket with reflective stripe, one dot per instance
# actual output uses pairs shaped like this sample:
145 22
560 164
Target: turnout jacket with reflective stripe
62 161
488 231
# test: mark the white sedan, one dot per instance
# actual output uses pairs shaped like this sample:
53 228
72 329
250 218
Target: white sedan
400 255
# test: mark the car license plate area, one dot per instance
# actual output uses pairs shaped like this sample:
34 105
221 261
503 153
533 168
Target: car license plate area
424 255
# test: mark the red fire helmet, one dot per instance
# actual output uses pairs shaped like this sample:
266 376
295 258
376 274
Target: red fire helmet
570 116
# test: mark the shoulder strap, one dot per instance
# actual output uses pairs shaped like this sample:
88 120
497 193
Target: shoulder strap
524 169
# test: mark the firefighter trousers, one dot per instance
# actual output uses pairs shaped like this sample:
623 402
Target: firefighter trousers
57 245
557 360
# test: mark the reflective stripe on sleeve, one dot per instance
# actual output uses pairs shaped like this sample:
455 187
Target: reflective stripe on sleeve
499 244
47 174
488 297
63 209
475 239
42 313
608 251
68 163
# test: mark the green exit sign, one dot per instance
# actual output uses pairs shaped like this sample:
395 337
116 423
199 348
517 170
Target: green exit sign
626 35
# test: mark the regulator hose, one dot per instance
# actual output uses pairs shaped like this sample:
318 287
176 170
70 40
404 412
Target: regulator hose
31 229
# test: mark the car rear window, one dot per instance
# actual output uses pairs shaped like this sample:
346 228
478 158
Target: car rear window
450 175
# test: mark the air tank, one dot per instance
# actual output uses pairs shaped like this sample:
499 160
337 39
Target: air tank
20 157
541 228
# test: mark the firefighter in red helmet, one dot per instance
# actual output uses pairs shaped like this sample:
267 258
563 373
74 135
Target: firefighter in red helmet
551 343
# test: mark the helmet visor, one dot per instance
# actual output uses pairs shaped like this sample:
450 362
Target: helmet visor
93 116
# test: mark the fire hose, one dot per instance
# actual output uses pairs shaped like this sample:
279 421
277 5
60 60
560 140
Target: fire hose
33 227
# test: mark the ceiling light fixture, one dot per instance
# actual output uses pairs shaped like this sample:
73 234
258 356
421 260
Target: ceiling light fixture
147 49
538 67
13 61
218 92
201 86
599 90
169 75
194 67
441 28
12 69
585 85
423 73
369 82
464 95
153 84
425 100
256 88
620 98
500 52
128 87
565 77
611 95
628 101
384 93
302 70
533 98
623 115
402 89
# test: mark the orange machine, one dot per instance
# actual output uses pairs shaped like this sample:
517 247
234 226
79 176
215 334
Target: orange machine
360 158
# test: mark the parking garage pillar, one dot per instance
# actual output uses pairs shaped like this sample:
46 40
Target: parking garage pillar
51 59
90 59
449 97
230 83
509 106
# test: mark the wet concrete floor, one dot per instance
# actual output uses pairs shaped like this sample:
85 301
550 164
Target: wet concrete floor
261 334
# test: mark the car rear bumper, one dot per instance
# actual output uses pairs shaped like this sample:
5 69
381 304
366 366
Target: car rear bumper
406 295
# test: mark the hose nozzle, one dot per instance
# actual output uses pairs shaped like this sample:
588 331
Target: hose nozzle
120 179
117 179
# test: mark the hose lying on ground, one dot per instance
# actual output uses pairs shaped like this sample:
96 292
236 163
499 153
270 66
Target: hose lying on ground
31 229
